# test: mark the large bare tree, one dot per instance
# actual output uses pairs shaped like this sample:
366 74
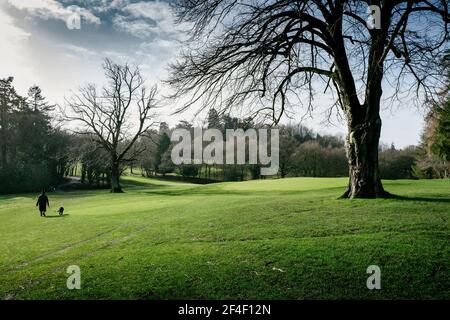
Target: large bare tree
116 115
270 56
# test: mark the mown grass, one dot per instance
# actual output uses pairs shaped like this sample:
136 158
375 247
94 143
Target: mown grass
273 239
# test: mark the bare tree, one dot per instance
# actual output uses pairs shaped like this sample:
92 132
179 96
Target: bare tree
269 55
116 116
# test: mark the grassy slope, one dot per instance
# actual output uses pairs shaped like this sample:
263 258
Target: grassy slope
279 239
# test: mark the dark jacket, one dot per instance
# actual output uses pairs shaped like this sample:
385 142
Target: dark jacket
42 202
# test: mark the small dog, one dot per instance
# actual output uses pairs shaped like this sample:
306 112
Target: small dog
61 211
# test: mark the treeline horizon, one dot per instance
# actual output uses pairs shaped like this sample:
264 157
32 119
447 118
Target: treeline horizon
303 152
37 152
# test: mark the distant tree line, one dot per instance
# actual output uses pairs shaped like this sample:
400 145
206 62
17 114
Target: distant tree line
303 153
433 159
37 152
33 150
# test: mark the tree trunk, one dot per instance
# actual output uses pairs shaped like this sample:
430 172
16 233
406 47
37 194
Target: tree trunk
362 154
115 177
3 150
3 154
83 173
364 128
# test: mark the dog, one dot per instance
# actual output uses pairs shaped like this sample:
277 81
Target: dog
61 211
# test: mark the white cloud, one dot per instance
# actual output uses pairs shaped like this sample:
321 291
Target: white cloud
115 4
13 60
138 28
10 32
51 9
146 19
155 10
107 5
77 50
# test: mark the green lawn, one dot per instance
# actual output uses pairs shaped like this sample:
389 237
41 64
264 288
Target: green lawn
273 239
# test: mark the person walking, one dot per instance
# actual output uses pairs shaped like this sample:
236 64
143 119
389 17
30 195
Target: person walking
42 202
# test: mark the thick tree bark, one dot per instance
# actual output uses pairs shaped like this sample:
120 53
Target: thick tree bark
362 154
364 128
115 178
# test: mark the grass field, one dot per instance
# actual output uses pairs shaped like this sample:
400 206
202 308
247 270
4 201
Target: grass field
272 239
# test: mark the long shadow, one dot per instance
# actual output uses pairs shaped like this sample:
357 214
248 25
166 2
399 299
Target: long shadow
186 180
222 192
148 184
214 191
424 199
58 216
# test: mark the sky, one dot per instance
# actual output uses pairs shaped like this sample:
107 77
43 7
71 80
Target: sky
42 44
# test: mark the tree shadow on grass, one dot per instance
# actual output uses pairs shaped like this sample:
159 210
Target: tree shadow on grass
127 183
423 199
206 191
57 216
